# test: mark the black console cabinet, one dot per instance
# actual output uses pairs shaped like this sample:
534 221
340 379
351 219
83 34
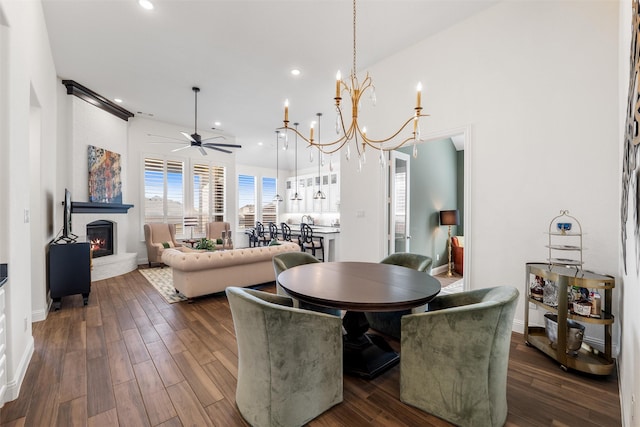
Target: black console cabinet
69 271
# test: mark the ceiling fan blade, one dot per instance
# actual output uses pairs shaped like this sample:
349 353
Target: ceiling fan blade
211 147
181 148
213 137
165 137
189 137
216 144
203 151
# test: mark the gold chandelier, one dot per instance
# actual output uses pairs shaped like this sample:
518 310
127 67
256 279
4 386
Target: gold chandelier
353 132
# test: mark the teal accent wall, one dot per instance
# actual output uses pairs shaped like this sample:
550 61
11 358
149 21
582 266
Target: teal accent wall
436 184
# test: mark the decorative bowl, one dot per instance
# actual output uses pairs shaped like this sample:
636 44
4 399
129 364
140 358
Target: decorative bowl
564 226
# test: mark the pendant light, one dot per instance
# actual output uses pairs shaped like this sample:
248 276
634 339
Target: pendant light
277 198
319 195
296 196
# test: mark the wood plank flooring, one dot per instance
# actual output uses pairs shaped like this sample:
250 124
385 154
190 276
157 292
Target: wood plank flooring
131 359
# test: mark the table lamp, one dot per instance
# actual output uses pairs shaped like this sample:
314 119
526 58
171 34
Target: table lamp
190 221
449 218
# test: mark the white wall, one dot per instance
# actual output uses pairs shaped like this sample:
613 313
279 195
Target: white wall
629 286
28 142
538 95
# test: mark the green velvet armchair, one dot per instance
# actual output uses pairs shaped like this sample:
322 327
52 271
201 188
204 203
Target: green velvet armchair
455 356
389 322
284 261
289 360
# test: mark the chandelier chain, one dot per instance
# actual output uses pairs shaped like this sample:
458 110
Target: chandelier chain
353 70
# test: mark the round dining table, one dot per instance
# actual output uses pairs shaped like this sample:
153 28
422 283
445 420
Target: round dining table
358 287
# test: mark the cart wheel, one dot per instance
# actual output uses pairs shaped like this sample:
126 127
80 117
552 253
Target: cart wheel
527 343
564 368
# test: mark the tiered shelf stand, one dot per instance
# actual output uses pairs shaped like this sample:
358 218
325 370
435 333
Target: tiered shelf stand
565 272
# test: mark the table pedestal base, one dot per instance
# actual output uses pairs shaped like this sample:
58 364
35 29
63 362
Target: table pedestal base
365 355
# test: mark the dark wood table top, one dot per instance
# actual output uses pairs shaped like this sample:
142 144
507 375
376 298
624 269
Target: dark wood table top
359 286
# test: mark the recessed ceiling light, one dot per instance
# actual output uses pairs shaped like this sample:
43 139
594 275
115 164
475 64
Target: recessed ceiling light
260 143
217 124
295 72
118 100
146 4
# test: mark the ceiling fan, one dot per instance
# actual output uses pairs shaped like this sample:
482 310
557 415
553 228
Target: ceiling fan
195 139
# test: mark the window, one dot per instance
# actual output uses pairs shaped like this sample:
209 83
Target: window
164 192
246 201
208 195
269 212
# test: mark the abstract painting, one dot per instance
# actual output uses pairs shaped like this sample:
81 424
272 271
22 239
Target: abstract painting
105 184
630 172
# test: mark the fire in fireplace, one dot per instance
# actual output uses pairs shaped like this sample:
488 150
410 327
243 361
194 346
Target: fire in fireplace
100 236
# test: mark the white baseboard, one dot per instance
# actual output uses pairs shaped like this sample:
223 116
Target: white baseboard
13 386
439 270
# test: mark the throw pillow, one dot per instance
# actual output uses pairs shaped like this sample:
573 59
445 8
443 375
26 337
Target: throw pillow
274 242
166 245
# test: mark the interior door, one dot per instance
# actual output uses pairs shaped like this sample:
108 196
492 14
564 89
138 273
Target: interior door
399 238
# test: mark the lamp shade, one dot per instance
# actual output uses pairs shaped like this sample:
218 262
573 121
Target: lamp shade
449 217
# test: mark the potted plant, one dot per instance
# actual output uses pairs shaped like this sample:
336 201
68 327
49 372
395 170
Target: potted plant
206 244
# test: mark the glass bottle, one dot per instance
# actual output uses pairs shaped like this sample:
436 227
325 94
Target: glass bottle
596 303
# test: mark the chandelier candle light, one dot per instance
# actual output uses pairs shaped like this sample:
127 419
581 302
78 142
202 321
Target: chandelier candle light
346 133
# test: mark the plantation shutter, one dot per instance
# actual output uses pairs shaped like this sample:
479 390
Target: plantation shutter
269 213
246 201
218 197
153 190
201 197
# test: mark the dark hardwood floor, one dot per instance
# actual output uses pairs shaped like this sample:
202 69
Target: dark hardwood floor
131 359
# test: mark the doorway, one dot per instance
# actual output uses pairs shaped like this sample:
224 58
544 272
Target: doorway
399 206
426 179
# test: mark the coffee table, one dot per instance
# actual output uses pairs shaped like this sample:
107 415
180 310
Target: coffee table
359 287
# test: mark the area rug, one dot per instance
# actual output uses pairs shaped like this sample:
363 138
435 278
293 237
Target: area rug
454 288
161 278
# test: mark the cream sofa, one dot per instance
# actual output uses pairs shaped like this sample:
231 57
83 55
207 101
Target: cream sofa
201 273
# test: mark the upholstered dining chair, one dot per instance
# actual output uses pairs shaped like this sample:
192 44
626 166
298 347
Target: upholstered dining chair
286 260
389 322
260 236
308 242
286 232
289 360
273 232
157 237
455 356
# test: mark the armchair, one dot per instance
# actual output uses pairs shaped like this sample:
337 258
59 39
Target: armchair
455 356
284 261
289 360
389 322
215 230
157 237
457 252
